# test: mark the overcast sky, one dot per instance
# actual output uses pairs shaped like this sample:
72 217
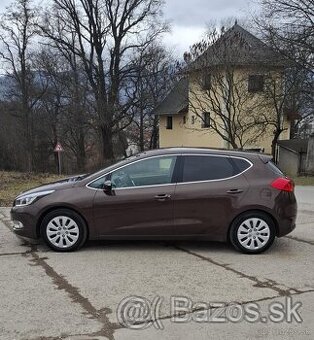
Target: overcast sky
189 18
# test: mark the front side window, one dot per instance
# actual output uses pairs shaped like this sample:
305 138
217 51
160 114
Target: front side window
205 168
99 183
151 171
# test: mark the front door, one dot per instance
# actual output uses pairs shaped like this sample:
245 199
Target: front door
141 200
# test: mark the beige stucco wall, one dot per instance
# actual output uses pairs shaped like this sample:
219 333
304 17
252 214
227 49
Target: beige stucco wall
183 135
194 135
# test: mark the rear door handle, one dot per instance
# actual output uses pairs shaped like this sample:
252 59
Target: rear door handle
234 191
162 197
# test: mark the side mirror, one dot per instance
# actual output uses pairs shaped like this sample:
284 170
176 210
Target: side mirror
107 187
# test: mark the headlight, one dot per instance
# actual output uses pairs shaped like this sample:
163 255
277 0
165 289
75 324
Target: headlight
23 200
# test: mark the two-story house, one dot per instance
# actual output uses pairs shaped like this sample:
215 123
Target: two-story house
229 97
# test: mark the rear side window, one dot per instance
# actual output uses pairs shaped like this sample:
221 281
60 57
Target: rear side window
204 168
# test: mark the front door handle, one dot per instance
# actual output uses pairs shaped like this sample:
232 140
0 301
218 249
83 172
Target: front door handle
234 191
162 197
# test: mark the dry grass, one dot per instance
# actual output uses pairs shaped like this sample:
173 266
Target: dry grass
13 183
304 180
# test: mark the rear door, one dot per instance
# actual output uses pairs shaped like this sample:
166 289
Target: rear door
210 188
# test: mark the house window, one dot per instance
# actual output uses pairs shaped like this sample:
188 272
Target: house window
256 83
206 81
169 123
184 119
206 120
193 119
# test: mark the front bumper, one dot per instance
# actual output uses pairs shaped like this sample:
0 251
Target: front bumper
24 223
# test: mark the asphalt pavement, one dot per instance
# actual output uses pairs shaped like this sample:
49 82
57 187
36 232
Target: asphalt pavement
178 290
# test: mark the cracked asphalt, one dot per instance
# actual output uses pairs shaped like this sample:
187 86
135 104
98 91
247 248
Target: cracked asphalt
47 295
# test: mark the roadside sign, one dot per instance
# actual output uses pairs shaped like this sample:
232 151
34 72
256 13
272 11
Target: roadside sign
58 148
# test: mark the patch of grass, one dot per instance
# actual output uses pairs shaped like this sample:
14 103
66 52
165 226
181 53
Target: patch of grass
304 180
13 183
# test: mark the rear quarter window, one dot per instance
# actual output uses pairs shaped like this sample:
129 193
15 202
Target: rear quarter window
241 164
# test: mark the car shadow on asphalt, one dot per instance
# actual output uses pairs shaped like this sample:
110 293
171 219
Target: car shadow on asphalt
280 246
127 245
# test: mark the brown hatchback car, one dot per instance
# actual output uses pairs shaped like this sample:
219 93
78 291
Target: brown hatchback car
178 193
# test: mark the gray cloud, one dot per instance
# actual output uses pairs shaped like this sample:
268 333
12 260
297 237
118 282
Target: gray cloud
4 4
200 12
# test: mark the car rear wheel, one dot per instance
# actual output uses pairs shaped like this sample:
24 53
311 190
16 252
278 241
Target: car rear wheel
252 232
64 230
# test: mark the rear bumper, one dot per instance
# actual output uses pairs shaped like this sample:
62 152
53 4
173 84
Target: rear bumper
287 215
285 228
24 223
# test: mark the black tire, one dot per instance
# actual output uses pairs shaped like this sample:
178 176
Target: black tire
78 222
246 217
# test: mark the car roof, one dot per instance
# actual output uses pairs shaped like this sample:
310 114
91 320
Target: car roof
212 151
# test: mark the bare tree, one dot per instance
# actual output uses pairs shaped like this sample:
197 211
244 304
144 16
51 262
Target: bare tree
228 110
105 34
65 102
281 92
289 26
154 77
17 30
219 94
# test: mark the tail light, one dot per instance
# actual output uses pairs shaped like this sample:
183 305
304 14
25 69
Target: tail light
283 184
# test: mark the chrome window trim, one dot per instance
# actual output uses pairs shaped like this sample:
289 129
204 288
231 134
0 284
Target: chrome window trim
145 186
122 166
178 183
220 179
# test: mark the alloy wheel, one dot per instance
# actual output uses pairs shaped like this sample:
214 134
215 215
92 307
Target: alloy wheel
62 232
253 233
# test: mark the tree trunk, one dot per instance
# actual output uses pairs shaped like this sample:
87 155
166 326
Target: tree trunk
155 135
107 145
141 141
81 155
274 144
233 144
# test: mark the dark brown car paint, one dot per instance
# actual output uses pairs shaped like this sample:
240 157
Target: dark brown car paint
202 211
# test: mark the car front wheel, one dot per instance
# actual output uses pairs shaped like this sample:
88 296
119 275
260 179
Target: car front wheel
252 232
64 230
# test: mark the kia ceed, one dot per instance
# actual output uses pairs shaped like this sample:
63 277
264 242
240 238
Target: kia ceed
177 194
